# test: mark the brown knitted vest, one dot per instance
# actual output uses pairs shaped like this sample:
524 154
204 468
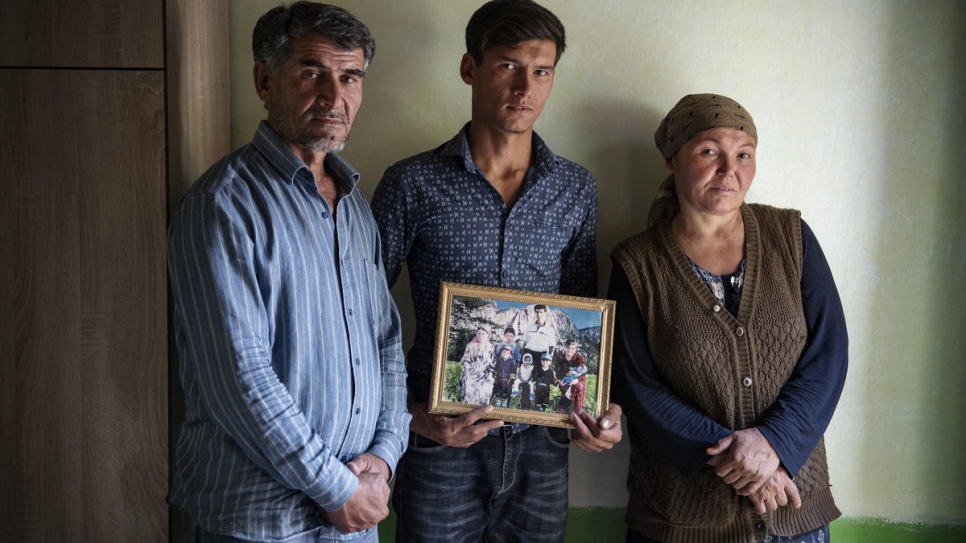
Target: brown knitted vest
731 369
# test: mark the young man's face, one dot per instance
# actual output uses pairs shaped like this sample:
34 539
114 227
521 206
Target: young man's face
508 337
541 316
571 349
511 84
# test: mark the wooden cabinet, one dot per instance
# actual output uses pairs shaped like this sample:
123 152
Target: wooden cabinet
83 381
82 33
104 122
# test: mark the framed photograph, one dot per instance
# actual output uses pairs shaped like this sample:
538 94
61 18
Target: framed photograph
535 357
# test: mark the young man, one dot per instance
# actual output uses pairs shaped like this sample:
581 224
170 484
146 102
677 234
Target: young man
531 227
540 337
288 338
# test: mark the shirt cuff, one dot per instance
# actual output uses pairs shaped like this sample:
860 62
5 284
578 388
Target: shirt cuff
335 489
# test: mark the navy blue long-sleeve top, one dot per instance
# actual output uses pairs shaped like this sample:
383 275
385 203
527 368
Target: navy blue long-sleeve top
795 422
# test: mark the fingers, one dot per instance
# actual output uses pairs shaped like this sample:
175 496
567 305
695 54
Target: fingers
591 436
369 463
611 417
721 446
791 489
470 418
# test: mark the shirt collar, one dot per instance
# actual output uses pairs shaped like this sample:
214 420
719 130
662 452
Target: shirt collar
543 158
283 159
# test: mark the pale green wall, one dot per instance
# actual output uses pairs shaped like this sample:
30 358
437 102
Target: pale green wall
861 111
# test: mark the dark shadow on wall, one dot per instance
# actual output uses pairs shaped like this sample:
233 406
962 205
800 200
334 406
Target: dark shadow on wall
944 362
627 166
403 88
935 256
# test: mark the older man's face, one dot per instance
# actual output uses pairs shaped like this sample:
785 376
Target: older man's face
313 98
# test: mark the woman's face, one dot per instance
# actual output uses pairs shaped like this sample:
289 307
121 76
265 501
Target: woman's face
714 170
483 335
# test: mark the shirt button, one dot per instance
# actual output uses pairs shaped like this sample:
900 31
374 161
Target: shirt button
740 331
325 215
505 274
716 308
350 314
760 526
358 410
357 361
746 381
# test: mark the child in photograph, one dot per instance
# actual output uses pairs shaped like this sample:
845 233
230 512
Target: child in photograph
524 376
503 380
543 378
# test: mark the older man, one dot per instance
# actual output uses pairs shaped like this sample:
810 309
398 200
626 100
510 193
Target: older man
289 341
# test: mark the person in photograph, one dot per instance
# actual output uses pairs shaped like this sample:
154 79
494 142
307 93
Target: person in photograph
476 379
532 228
291 431
509 340
543 379
524 378
571 369
541 336
730 350
504 374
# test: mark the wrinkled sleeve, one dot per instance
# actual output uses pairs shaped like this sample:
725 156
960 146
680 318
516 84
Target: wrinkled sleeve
578 273
797 420
226 332
392 428
676 429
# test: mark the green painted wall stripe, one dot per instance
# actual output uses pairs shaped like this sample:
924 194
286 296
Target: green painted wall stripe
606 525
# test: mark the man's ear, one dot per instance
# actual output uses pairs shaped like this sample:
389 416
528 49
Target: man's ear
668 166
263 78
467 68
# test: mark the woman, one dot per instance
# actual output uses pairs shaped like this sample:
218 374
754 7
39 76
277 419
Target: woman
476 381
731 348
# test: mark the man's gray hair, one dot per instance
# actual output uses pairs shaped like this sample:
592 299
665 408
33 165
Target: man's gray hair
279 27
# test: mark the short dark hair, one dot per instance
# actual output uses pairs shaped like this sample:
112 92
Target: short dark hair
538 307
509 330
501 23
279 27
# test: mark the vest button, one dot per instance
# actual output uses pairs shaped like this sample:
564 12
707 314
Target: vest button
716 308
746 381
740 331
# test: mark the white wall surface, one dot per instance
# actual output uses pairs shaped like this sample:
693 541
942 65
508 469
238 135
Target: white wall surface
861 114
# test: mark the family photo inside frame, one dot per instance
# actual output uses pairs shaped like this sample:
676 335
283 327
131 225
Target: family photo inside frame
535 357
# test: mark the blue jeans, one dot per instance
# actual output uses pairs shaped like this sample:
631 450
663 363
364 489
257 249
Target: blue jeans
820 535
506 487
194 534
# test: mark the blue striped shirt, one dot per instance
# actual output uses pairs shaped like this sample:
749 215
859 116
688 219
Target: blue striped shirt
289 344
438 212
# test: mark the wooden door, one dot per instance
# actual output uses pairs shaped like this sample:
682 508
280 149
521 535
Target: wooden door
83 330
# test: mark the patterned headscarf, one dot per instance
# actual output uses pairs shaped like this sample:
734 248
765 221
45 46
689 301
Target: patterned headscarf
693 114
698 112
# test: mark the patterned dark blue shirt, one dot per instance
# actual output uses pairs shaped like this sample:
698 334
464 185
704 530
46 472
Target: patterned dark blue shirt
438 212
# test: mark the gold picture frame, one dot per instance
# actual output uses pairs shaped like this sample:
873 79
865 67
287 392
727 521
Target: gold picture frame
470 366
